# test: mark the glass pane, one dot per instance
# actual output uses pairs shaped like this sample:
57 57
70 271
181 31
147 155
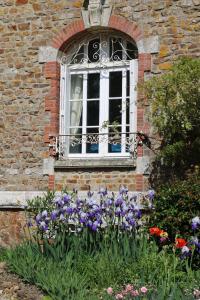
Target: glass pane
114 145
78 56
93 85
93 140
132 51
115 84
75 140
116 50
127 83
93 113
127 111
76 111
115 111
128 146
93 50
76 86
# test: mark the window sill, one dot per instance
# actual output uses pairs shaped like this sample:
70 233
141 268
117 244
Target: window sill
93 163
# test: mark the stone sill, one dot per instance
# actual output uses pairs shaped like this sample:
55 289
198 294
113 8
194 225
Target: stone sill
94 163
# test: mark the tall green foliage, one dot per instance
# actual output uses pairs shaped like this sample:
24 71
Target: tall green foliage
175 112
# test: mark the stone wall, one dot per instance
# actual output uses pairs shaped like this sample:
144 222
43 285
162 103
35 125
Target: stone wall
27 25
12 227
84 180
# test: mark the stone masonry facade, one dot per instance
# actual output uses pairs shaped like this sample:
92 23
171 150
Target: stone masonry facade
32 32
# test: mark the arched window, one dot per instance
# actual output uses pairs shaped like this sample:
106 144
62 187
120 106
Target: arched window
98 97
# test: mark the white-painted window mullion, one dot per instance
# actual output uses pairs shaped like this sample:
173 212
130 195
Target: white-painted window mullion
123 125
103 114
84 115
133 96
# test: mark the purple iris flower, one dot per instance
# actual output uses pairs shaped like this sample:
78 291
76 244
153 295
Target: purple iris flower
90 194
151 194
195 241
129 216
89 224
134 198
62 217
79 202
103 191
119 201
38 218
59 202
131 222
185 252
138 214
123 190
43 226
95 226
66 198
118 211
83 217
91 202
108 202
69 210
44 214
124 226
195 223
54 215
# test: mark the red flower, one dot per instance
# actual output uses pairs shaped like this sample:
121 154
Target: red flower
155 231
180 243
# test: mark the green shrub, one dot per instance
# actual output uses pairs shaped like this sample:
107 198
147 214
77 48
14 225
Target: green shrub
174 98
175 206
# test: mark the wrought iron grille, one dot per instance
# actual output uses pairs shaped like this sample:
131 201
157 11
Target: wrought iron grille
100 50
131 141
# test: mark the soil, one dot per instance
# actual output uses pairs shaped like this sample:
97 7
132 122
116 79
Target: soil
13 288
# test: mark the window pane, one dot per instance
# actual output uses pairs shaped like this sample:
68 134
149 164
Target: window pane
76 86
93 85
114 145
128 146
116 50
115 84
93 50
127 111
93 113
93 140
78 56
132 51
76 111
115 111
75 140
127 83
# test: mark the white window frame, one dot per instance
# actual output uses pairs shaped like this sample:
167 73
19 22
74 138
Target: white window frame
66 71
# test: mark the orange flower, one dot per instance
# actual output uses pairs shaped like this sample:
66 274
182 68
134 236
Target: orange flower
180 243
155 231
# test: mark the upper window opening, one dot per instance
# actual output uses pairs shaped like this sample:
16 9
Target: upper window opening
102 49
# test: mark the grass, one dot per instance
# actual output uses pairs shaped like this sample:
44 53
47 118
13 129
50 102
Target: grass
71 270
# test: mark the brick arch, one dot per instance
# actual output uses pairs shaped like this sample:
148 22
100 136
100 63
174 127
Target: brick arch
52 72
77 27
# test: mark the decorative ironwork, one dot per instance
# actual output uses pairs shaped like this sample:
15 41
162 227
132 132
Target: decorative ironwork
101 52
131 141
